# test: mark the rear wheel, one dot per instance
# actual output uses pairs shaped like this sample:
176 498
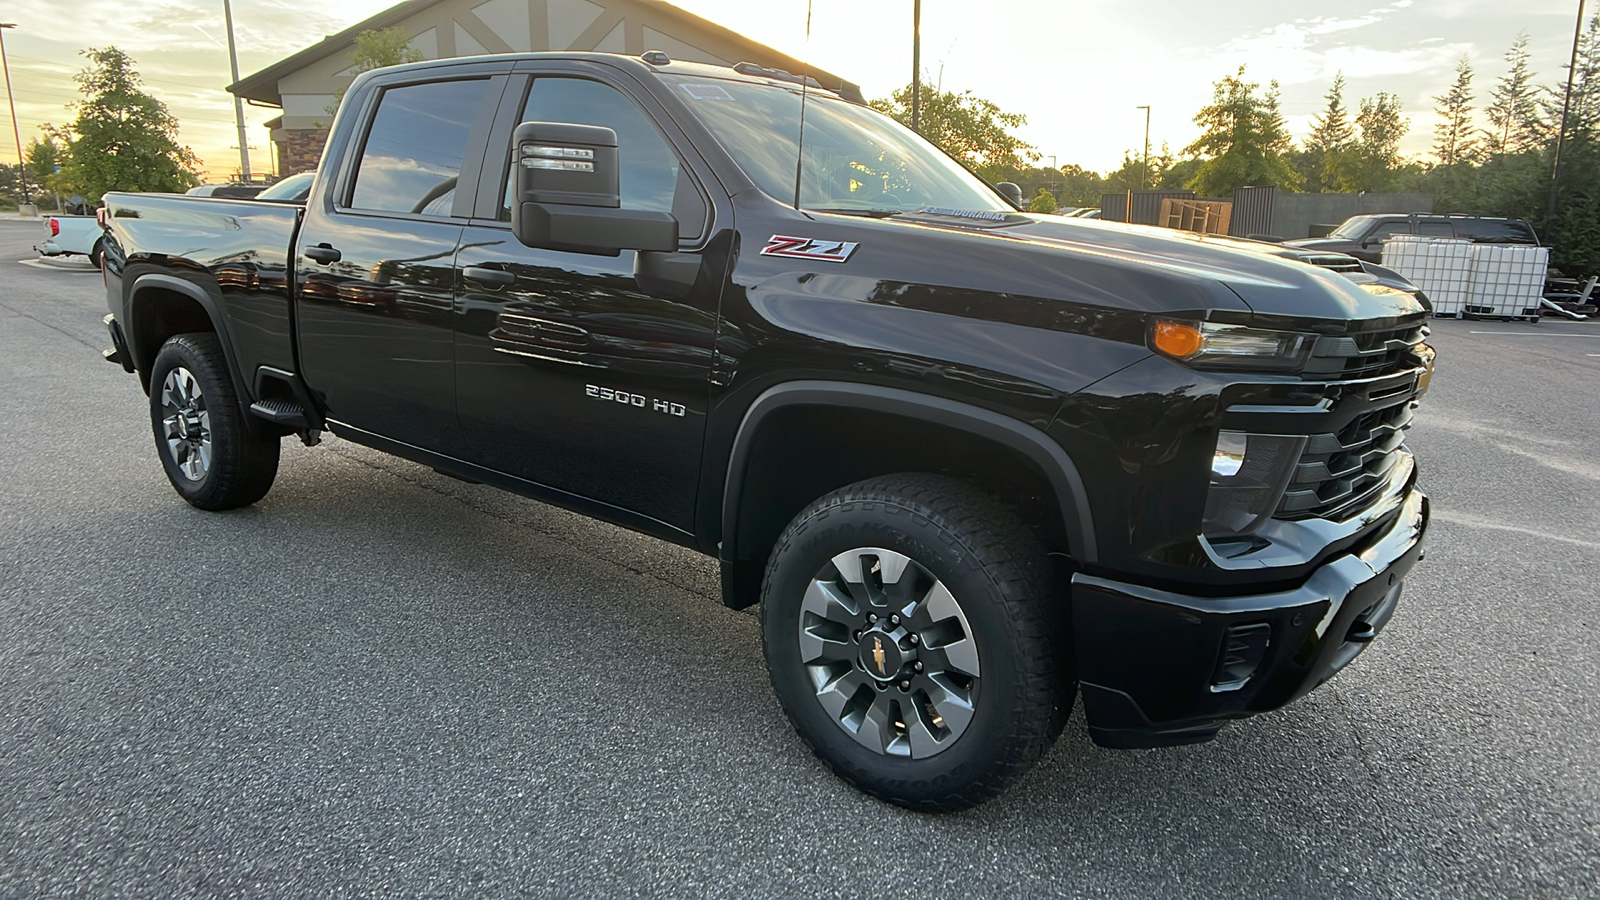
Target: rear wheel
209 453
908 638
97 254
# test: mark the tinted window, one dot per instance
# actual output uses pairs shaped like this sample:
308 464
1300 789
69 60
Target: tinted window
1387 230
1490 231
1436 229
648 167
413 152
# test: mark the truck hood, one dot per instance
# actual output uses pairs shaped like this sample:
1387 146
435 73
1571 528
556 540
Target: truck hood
1272 280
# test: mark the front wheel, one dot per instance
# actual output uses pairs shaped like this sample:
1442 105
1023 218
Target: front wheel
210 455
908 638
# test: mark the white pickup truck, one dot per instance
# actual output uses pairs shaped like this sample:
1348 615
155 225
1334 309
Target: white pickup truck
72 236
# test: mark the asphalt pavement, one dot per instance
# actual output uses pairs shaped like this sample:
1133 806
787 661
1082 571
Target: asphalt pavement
382 682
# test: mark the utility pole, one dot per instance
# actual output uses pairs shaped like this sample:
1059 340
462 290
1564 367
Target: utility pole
916 66
238 102
1144 171
1561 133
16 132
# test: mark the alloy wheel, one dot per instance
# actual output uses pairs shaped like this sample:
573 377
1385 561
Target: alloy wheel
889 652
186 424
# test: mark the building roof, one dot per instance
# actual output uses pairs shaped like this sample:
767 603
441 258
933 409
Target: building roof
262 86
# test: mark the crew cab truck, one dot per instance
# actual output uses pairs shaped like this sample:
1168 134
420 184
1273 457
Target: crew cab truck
969 460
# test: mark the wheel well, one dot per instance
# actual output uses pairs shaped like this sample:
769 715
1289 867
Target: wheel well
158 314
800 453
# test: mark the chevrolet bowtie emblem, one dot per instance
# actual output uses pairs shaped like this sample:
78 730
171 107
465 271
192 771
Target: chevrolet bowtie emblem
877 655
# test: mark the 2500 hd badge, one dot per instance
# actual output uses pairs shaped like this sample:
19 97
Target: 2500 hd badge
627 398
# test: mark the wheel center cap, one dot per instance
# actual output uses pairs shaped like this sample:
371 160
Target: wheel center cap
183 426
880 656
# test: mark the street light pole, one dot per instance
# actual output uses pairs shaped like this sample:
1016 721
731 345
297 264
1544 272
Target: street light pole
1144 171
1561 132
16 132
916 66
238 102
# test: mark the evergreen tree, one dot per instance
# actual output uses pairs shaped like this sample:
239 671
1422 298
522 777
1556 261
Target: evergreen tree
1332 137
1452 136
1244 140
1513 110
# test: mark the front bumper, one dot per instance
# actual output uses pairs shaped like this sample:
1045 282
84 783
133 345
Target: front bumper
1158 668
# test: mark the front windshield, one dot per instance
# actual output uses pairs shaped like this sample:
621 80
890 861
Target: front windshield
856 160
1352 228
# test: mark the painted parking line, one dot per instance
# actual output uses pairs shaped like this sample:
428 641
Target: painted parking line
1538 333
80 268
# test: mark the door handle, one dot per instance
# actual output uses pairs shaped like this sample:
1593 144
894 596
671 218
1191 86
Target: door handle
324 254
488 276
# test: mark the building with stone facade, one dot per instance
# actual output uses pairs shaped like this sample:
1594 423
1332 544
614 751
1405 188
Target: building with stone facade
306 85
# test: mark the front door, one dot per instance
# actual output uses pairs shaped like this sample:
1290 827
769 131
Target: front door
572 372
376 268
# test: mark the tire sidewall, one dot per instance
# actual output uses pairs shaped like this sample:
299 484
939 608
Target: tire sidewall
180 352
855 523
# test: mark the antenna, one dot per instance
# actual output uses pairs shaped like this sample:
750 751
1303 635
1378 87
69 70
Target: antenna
805 80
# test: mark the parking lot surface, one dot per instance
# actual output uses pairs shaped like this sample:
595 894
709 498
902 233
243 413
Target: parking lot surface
382 682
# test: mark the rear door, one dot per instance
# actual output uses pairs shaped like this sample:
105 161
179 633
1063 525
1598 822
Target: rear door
375 263
572 371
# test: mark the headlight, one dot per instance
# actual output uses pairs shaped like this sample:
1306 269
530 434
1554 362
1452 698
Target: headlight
1214 345
1248 475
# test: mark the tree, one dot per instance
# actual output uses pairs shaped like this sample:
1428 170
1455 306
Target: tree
1331 140
1245 141
1452 136
969 128
376 48
1373 161
1513 110
122 139
1044 202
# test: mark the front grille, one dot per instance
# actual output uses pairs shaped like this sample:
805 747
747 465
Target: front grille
1342 474
1370 354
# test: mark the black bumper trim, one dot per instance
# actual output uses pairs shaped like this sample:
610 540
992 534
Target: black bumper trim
1147 658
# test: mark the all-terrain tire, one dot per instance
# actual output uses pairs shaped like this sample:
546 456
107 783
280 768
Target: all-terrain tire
211 457
1001 581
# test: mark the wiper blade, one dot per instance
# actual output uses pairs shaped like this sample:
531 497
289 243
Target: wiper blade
856 211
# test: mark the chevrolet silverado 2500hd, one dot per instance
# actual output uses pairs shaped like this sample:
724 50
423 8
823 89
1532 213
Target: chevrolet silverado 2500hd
970 461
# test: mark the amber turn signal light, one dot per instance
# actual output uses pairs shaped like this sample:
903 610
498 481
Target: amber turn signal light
1179 339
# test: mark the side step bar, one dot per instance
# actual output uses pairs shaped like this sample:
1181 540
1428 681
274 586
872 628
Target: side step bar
281 411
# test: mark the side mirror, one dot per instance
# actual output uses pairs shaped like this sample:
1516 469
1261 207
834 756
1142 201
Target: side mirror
1012 192
565 194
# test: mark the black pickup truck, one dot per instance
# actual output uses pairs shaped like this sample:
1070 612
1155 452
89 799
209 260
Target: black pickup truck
969 460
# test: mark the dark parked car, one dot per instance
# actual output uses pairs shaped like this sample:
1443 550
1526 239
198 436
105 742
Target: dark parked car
1363 236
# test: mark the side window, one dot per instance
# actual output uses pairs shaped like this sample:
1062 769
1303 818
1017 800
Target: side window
1387 230
648 168
1436 229
1494 232
412 156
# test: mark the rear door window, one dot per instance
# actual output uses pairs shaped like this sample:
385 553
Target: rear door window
414 149
1436 229
1491 231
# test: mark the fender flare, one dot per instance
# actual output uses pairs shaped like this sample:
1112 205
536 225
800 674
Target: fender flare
158 281
1034 445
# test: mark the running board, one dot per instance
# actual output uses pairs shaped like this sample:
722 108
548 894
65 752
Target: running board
281 412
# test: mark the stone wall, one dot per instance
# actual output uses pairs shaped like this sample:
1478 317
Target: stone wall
299 149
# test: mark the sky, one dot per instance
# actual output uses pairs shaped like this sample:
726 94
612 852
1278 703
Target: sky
1077 69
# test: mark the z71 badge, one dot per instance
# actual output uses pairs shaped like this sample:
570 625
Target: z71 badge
809 248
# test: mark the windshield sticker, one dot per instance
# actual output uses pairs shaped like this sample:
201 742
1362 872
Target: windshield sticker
963 213
707 92
809 248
